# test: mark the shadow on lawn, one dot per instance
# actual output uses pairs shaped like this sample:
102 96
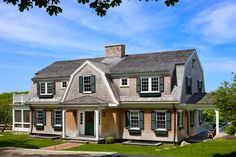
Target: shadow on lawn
232 154
17 143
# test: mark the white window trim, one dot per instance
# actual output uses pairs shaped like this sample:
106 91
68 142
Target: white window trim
150 84
38 124
87 92
22 123
121 82
46 88
134 128
59 125
62 84
162 129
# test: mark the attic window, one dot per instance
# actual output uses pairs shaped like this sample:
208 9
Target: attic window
64 84
124 82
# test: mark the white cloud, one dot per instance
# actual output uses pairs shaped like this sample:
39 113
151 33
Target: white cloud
217 24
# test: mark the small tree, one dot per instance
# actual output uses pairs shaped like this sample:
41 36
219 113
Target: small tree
225 99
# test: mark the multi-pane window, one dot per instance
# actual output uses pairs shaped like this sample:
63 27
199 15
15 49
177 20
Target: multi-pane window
87 84
81 118
155 84
180 119
144 84
161 120
134 119
64 84
39 116
58 117
150 84
188 85
46 88
124 82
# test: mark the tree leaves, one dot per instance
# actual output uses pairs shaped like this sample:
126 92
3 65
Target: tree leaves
52 6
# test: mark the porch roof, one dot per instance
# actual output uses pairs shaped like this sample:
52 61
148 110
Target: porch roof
201 98
88 100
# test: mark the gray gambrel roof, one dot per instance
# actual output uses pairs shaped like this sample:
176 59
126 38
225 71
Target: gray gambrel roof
85 100
135 63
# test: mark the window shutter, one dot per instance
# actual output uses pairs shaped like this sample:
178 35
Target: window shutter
127 119
81 84
141 120
186 85
53 88
182 119
200 117
178 118
161 84
198 86
44 117
52 118
191 84
34 118
153 120
138 82
38 88
93 84
168 120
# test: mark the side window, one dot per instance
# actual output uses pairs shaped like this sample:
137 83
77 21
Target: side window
188 85
64 84
124 82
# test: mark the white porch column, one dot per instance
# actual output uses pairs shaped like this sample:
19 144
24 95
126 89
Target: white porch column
97 124
217 122
63 123
13 119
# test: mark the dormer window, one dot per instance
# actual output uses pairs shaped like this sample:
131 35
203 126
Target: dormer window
199 86
87 84
46 89
124 82
188 85
64 84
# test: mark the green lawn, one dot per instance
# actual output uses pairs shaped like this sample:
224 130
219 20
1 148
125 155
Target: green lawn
23 141
214 148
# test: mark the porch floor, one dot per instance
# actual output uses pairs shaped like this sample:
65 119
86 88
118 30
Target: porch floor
142 143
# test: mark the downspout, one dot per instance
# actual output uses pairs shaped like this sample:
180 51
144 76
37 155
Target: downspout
32 120
174 124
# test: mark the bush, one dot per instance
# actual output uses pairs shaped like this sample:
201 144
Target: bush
109 140
230 129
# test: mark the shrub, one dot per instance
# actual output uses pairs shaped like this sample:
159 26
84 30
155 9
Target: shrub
109 140
230 129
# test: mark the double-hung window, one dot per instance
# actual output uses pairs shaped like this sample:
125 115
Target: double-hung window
180 119
150 84
58 118
161 120
39 117
134 120
46 88
87 84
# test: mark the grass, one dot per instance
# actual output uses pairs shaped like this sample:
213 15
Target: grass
24 141
214 148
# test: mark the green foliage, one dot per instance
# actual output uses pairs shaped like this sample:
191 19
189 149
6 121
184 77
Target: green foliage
52 6
5 107
225 99
109 140
210 116
230 129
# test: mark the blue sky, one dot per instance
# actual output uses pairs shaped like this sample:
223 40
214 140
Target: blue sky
32 40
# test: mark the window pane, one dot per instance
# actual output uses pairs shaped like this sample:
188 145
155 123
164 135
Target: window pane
64 84
124 82
144 84
39 117
17 115
26 116
49 88
58 117
42 88
26 125
87 84
155 84
161 120
134 119
18 125
81 118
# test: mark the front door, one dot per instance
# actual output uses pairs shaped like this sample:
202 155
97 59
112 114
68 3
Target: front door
89 123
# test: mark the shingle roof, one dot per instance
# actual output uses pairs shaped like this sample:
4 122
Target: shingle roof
85 100
136 63
201 98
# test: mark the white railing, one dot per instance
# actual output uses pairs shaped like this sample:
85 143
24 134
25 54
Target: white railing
19 98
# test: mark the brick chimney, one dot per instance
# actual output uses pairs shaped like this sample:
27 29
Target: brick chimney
115 50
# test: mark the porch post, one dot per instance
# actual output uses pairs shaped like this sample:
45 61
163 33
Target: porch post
63 123
97 124
13 119
217 122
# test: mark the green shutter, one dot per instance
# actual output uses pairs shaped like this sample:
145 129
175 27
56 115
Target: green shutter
138 82
191 84
127 119
53 88
198 86
93 84
178 119
161 84
141 120
186 85
81 82
44 117
52 118
38 88
34 118
182 119
153 120
168 120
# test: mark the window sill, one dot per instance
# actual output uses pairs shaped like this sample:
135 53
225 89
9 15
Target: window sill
134 131
181 127
124 86
150 94
162 133
87 92
45 96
